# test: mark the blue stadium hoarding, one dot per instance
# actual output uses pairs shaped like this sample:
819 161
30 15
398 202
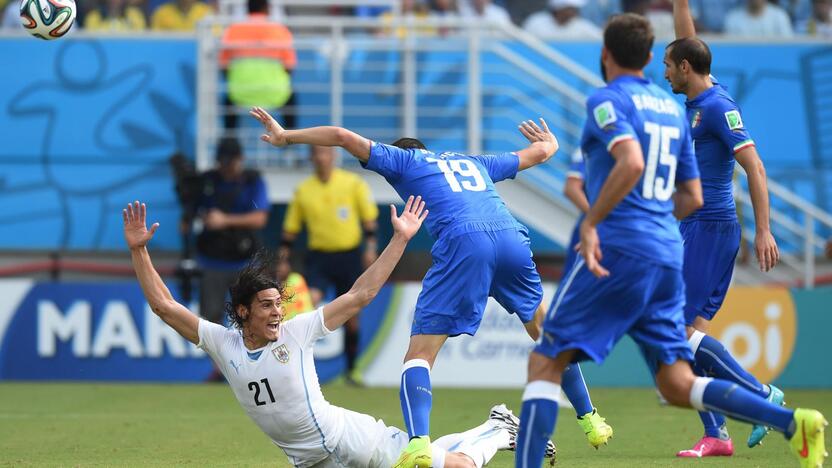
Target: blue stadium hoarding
106 332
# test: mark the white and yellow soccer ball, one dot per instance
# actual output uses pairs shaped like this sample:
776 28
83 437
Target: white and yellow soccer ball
47 19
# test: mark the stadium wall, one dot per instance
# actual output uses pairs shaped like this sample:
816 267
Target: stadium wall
88 124
106 332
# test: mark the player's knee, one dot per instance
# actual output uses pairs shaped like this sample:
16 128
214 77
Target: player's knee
545 368
424 348
675 387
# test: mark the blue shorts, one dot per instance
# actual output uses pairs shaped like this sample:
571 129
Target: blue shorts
710 252
639 298
469 268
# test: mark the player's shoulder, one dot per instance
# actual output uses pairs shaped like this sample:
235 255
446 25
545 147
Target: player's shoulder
721 106
611 92
605 104
719 99
222 337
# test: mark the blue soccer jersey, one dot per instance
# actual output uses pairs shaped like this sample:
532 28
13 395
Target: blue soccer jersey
458 189
480 249
642 224
718 134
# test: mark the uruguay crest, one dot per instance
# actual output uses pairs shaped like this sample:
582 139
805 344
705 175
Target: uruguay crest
281 353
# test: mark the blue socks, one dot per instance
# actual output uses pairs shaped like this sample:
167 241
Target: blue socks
575 389
416 397
714 425
537 422
733 400
715 361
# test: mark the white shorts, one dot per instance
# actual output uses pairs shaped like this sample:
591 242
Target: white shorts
366 443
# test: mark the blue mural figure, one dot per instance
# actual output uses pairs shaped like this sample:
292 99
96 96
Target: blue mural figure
97 138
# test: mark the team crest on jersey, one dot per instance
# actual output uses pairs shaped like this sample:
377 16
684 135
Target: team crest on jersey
604 114
696 120
734 120
281 353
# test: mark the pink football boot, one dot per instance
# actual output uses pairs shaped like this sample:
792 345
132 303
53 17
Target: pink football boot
709 447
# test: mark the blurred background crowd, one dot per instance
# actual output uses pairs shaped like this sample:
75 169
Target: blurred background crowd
548 19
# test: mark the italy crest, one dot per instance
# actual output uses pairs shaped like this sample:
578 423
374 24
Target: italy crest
696 120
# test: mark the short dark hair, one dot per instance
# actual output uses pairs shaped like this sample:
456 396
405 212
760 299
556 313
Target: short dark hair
694 50
260 273
228 148
629 38
258 6
409 143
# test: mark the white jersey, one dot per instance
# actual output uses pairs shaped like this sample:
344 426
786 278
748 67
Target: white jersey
278 387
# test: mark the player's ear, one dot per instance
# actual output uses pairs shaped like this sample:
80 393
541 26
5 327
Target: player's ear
242 312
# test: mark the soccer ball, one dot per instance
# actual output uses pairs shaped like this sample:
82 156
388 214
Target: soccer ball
47 19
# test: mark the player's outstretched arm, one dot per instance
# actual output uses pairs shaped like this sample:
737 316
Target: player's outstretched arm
688 198
768 254
367 286
629 165
542 144
157 294
683 19
278 136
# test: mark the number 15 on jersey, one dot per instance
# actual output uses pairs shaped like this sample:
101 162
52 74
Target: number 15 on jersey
660 188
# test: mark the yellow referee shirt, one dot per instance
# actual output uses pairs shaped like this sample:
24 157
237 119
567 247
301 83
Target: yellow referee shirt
332 212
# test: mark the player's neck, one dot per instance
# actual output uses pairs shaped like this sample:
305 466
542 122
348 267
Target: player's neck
698 85
324 175
252 342
614 73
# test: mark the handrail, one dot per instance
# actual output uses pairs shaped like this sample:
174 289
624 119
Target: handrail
793 199
552 54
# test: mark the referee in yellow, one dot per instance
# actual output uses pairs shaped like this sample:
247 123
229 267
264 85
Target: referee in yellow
337 209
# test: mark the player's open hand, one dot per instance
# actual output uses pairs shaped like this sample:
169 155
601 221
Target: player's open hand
540 134
408 224
590 249
135 225
275 134
768 254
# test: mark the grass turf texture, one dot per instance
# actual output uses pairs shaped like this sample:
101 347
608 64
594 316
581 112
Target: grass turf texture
164 425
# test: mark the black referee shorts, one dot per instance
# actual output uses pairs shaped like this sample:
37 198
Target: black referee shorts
338 269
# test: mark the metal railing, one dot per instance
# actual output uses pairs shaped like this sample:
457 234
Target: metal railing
457 84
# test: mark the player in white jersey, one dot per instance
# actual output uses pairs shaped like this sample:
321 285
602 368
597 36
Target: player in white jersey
270 368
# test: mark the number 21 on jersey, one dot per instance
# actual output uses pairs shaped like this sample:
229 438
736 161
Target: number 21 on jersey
451 168
658 152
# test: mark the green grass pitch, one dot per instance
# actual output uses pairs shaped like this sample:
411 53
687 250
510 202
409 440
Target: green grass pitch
201 425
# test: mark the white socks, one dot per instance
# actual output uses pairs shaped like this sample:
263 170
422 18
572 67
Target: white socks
542 390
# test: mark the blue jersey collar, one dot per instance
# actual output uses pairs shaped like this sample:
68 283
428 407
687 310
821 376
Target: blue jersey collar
703 95
629 78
